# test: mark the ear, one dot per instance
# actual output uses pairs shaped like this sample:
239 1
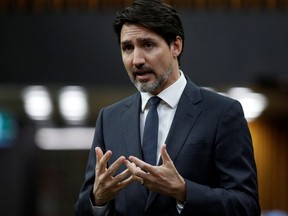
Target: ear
176 46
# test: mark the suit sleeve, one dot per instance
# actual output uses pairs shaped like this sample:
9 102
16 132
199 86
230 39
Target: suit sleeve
236 192
83 206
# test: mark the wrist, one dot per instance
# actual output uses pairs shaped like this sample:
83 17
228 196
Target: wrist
96 202
181 193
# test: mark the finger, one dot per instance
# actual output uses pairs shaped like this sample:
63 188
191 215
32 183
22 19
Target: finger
115 166
164 155
102 160
137 173
102 157
134 170
99 154
131 166
143 166
126 182
123 176
106 157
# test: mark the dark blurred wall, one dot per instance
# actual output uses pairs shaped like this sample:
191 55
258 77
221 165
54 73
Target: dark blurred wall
18 174
81 48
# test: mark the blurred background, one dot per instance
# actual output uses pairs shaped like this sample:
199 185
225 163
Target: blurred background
60 63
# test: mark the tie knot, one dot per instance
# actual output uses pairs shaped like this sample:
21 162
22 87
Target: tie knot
154 101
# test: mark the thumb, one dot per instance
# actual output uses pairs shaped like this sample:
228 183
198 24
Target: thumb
164 154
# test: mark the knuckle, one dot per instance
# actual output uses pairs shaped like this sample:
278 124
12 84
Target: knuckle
101 179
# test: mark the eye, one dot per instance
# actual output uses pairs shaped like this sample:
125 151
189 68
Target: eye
149 45
127 48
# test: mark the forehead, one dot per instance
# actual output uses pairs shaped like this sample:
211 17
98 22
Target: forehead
130 32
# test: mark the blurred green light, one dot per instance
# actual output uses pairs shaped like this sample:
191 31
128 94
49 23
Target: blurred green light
8 129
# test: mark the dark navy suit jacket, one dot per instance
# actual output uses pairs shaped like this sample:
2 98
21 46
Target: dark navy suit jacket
210 145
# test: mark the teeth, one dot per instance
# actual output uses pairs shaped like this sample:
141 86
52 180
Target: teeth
140 73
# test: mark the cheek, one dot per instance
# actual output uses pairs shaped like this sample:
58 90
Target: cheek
126 62
128 66
164 56
163 62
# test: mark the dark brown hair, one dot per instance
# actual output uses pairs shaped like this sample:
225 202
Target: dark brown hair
154 15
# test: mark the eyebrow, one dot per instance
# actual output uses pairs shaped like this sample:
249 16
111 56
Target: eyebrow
143 40
124 43
140 40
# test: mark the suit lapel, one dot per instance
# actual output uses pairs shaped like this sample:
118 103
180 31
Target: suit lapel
131 130
185 117
130 126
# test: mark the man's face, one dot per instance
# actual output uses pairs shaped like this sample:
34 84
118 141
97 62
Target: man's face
150 62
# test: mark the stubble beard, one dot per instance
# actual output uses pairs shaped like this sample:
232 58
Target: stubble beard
152 87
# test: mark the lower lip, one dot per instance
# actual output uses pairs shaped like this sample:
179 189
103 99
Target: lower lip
143 77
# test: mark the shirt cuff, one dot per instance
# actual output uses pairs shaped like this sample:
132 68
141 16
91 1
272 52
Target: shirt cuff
100 210
179 207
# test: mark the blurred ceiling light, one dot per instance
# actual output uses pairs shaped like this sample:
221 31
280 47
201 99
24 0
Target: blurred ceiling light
253 103
73 104
37 102
64 138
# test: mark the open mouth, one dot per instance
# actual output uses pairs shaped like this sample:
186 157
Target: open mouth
143 76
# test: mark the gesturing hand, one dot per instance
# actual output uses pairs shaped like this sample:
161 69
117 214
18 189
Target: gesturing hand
163 179
105 185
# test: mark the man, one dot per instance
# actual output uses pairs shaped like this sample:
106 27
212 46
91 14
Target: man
203 162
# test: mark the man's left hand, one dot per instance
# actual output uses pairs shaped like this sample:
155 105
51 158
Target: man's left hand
163 179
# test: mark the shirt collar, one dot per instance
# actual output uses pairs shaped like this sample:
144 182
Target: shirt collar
171 95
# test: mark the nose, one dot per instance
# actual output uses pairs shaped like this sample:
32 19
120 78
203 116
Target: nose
138 57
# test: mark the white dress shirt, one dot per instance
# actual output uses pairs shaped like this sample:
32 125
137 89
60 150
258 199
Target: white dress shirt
166 111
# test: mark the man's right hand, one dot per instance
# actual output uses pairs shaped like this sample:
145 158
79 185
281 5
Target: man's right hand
106 185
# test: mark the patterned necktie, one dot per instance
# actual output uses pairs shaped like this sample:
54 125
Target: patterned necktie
150 135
